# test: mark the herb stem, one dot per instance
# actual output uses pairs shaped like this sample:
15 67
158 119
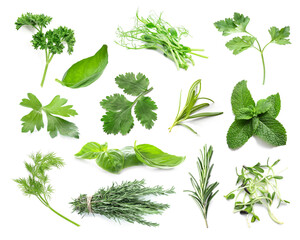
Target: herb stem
76 224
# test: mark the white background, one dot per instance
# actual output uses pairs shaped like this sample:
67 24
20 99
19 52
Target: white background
95 24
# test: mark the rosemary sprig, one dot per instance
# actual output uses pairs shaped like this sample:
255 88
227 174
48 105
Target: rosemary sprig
123 202
155 33
191 107
37 183
258 186
203 191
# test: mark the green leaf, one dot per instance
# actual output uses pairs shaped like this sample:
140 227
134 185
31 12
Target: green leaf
239 133
232 25
86 71
34 20
130 158
245 113
111 160
91 150
31 121
65 128
262 106
240 44
144 111
230 196
154 157
31 102
280 36
118 118
271 131
275 102
131 84
56 107
241 97
278 177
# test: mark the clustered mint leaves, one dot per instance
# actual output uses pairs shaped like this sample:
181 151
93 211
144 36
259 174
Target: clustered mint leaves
118 117
254 119
34 120
238 24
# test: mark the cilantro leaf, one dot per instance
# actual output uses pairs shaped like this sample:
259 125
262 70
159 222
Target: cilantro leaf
239 133
241 97
144 112
280 36
271 131
118 117
56 107
275 102
131 84
233 25
65 128
240 44
34 120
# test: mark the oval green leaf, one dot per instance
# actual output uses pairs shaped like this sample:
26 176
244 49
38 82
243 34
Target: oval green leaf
154 157
111 160
86 71
91 150
130 158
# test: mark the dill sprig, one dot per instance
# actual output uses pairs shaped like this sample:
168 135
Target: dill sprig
191 107
258 187
155 33
37 183
123 202
203 191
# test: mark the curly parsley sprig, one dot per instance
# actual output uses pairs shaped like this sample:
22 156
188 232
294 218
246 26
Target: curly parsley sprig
52 41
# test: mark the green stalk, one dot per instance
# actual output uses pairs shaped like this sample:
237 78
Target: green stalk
48 60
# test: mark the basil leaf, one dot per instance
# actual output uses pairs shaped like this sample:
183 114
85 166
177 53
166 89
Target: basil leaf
130 158
91 150
86 71
154 157
111 160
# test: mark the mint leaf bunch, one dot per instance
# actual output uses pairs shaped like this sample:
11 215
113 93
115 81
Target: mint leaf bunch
254 119
118 117
34 120
238 24
52 41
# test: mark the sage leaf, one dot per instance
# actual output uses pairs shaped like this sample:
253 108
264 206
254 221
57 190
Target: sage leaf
86 71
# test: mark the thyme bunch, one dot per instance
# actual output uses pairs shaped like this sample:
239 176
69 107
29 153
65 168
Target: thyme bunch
258 186
123 202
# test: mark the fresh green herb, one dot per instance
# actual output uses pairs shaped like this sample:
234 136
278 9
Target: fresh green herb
114 160
123 202
86 71
51 41
37 184
203 191
251 119
258 187
192 107
118 117
155 33
34 120
238 24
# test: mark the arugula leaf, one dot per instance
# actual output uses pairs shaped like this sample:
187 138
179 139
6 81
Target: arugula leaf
238 24
240 44
239 133
131 84
271 131
34 120
118 117
241 97
256 120
144 112
280 36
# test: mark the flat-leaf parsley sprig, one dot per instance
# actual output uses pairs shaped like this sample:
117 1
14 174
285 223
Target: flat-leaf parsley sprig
238 24
258 186
52 41
155 33
37 183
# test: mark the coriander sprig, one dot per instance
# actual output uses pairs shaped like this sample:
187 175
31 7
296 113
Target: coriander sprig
238 24
37 183
155 33
258 186
191 107
203 191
